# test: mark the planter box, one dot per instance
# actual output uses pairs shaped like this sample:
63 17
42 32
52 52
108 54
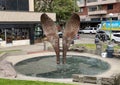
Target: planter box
15 43
20 42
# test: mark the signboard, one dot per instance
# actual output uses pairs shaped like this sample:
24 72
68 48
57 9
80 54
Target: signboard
111 25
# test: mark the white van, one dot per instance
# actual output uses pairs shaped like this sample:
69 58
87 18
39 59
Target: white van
89 30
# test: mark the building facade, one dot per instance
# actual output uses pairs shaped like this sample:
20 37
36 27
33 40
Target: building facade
98 10
19 24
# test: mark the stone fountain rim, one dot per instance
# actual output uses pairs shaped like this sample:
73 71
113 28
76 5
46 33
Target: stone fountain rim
16 59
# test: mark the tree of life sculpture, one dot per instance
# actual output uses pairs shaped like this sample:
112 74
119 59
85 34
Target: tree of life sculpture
50 30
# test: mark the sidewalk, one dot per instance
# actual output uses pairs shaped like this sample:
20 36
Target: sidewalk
25 49
38 47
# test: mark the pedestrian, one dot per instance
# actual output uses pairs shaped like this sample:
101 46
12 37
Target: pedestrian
78 36
96 40
103 37
72 42
97 36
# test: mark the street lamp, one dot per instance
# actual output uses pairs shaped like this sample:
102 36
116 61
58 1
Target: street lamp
110 15
110 48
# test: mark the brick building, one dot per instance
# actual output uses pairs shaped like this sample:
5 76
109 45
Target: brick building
98 10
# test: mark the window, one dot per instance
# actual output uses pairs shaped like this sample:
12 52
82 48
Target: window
88 1
93 8
23 5
110 6
104 19
19 5
116 35
95 28
11 4
114 18
91 28
99 7
95 19
2 4
81 1
81 10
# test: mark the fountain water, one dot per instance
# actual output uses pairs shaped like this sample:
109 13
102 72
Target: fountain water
45 66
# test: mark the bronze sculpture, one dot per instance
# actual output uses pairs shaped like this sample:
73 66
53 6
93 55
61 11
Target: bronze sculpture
70 31
50 30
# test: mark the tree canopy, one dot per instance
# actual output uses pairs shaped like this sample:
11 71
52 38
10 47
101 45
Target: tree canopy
62 8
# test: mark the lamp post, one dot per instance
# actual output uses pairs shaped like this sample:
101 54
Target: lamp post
110 15
110 48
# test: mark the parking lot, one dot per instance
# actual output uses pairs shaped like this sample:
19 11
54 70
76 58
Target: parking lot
85 38
91 36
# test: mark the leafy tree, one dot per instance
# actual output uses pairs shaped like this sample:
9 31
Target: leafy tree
62 8
43 5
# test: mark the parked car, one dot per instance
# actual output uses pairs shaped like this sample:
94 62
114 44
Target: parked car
89 30
115 37
0 39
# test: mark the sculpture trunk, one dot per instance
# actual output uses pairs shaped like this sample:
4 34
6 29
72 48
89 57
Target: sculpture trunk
50 31
57 51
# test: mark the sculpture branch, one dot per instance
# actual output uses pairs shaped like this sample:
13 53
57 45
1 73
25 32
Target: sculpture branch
70 31
50 31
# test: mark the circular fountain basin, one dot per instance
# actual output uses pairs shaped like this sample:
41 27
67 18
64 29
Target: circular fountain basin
46 67
113 67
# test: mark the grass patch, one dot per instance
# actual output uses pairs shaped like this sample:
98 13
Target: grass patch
23 82
7 51
117 47
93 46
88 46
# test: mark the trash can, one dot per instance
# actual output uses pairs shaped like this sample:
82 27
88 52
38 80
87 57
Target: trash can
110 51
